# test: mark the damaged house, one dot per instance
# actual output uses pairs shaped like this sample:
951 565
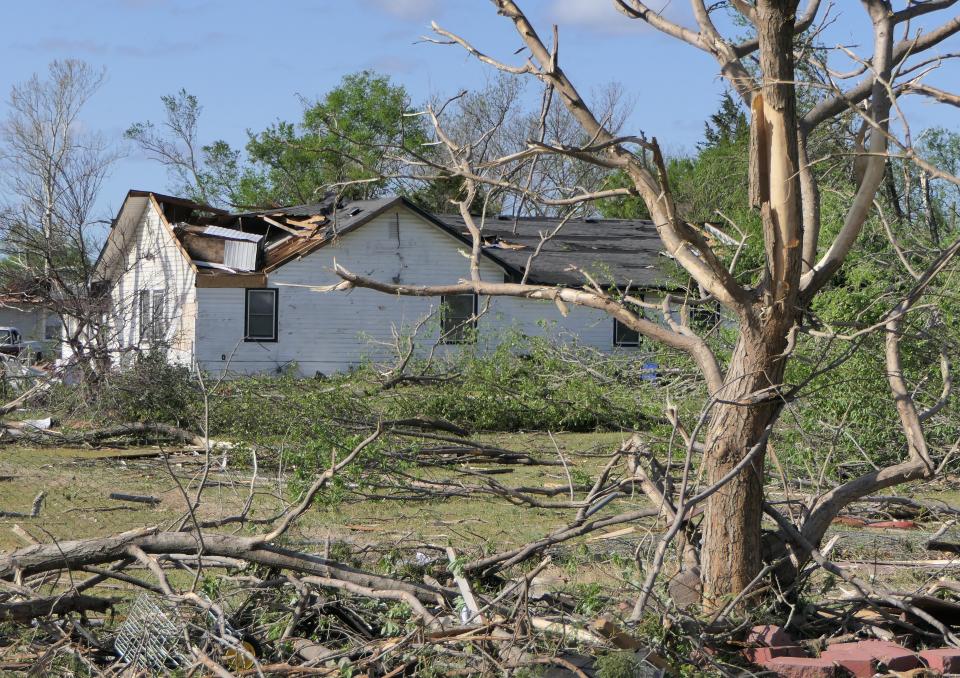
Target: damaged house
232 291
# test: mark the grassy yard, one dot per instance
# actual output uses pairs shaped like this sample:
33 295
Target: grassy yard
592 575
77 483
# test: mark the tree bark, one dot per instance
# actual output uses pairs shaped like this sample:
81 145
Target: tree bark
731 552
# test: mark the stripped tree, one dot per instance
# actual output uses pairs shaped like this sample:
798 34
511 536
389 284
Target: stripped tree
51 173
746 392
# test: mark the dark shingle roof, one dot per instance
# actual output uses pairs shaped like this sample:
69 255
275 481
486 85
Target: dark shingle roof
612 250
325 206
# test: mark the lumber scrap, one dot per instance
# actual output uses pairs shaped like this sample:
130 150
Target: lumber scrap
283 227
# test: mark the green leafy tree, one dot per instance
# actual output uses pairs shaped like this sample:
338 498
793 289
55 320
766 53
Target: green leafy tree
728 125
345 141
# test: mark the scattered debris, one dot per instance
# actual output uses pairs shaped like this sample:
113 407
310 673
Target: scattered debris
34 509
775 650
136 498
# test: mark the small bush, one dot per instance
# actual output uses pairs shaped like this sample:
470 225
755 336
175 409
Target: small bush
152 390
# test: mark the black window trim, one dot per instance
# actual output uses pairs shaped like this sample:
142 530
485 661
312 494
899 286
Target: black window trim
471 323
276 315
624 344
158 321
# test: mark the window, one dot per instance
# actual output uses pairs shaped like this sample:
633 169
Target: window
623 335
152 315
159 328
146 314
261 316
52 328
459 319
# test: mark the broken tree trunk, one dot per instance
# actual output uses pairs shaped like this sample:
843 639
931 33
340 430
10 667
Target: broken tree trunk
749 401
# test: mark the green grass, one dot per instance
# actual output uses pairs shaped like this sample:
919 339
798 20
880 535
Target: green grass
78 482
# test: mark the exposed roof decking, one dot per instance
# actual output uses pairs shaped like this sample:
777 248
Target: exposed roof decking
338 222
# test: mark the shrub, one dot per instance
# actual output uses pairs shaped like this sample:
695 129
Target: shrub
152 390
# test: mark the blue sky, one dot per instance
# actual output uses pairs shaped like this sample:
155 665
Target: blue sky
249 61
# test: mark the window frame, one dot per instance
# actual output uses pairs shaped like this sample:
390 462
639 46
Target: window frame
624 344
153 324
145 313
276 315
468 325
158 315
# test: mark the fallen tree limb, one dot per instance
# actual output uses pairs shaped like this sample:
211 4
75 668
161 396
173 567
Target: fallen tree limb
136 498
946 546
865 589
25 610
381 594
127 430
428 423
82 552
34 509
931 505
506 559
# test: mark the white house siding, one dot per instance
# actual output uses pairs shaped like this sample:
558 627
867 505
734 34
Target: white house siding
149 258
328 332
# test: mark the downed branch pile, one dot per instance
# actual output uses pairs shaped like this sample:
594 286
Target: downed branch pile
239 603
277 611
40 432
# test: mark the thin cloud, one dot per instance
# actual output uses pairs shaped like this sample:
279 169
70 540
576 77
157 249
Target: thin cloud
57 44
409 9
603 17
156 49
99 48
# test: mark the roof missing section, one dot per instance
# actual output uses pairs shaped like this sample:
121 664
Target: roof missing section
238 249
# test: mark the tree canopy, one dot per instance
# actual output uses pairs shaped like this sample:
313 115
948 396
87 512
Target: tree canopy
341 143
